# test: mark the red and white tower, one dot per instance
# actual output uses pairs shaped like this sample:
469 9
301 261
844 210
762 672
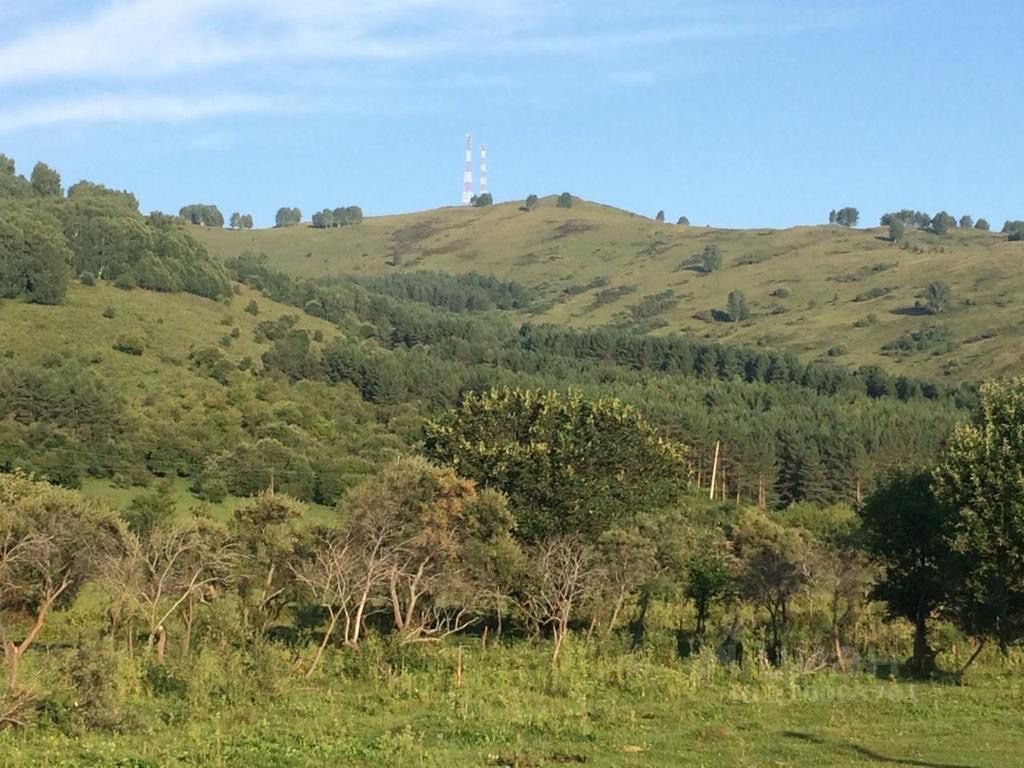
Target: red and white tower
483 170
467 174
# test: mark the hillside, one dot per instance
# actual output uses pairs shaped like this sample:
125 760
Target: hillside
115 388
845 294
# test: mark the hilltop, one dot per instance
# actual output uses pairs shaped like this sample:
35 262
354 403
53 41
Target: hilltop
823 292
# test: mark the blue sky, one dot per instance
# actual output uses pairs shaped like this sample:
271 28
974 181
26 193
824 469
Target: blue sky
758 113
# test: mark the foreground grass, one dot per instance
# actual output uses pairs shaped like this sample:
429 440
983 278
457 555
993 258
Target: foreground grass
601 711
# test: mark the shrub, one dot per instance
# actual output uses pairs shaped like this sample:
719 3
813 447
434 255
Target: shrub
110 313
87 278
565 200
130 345
252 307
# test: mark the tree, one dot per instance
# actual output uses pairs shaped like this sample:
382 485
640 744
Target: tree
844 217
568 464
897 230
563 573
46 181
247 221
564 200
12 185
203 215
942 222
323 219
660 218
982 225
415 524
981 475
236 220
287 217
737 307
266 532
683 221
169 569
482 201
34 257
710 258
1014 230
906 530
937 296
709 574
532 201
776 567
52 542
966 222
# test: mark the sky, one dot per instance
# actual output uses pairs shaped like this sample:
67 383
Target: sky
765 113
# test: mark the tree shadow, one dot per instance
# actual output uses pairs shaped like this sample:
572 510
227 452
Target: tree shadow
870 754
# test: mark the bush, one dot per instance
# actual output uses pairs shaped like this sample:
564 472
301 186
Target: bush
565 200
110 313
87 278
130 345
126 281
252 307
711 258
102 679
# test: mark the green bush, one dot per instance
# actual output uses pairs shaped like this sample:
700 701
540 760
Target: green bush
130 345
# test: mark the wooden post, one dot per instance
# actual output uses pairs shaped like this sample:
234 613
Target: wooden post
714 471
458 668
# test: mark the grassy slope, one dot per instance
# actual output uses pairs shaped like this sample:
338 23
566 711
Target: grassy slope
552 249
170 324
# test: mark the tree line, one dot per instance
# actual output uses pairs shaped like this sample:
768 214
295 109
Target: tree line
92 232
540 516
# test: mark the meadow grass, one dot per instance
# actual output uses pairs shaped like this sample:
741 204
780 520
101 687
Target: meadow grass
824 269
382 707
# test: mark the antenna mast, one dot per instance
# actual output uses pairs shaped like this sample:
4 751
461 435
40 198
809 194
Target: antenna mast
483 170
467 175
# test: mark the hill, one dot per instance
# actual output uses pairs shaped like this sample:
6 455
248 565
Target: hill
114 388
822 292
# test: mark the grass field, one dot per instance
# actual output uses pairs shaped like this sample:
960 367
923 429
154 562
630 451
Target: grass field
828 272
599 711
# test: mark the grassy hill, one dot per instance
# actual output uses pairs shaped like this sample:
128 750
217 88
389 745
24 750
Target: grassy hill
823 292
170 404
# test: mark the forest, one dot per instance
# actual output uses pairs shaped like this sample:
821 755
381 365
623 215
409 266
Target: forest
405 488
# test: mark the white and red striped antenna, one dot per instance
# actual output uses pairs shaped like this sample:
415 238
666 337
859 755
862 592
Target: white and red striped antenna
483 170
467 174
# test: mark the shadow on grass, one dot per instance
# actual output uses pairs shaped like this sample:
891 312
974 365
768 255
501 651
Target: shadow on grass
911 311
871 755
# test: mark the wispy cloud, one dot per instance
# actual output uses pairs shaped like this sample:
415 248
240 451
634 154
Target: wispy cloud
129 39
135 108
178 51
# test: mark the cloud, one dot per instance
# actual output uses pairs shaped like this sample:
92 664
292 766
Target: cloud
294 56
110 107
126 39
